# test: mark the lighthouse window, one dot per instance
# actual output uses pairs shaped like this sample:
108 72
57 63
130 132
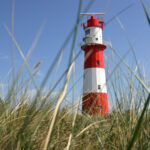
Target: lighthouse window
99 87
97 39
101 107
87 31
97 62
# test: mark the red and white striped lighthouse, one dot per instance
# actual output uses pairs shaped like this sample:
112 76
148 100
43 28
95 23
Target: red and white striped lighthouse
94 99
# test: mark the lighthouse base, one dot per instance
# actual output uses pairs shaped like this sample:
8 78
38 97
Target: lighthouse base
95 103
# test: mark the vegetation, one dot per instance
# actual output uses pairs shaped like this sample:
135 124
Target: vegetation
40 123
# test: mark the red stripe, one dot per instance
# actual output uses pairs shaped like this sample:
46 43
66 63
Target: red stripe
94 58
95 103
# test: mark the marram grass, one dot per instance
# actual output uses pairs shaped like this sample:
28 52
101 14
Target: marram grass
114 130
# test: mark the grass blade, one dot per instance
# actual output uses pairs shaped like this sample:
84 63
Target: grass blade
22 55
141 82
73 124
60 100
137 128
146 13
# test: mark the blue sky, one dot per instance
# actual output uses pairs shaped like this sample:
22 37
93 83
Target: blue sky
60 17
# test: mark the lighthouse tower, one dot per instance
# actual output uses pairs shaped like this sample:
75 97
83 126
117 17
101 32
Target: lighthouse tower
94 99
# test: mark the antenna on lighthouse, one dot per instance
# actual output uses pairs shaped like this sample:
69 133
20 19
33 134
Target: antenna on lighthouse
92 14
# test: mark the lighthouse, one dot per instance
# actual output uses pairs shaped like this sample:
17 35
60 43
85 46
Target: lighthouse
94 101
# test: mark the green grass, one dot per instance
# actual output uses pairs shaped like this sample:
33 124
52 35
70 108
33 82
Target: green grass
43 124
114 130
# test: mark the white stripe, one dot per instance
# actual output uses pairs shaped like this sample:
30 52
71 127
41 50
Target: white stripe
94 80
93 36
